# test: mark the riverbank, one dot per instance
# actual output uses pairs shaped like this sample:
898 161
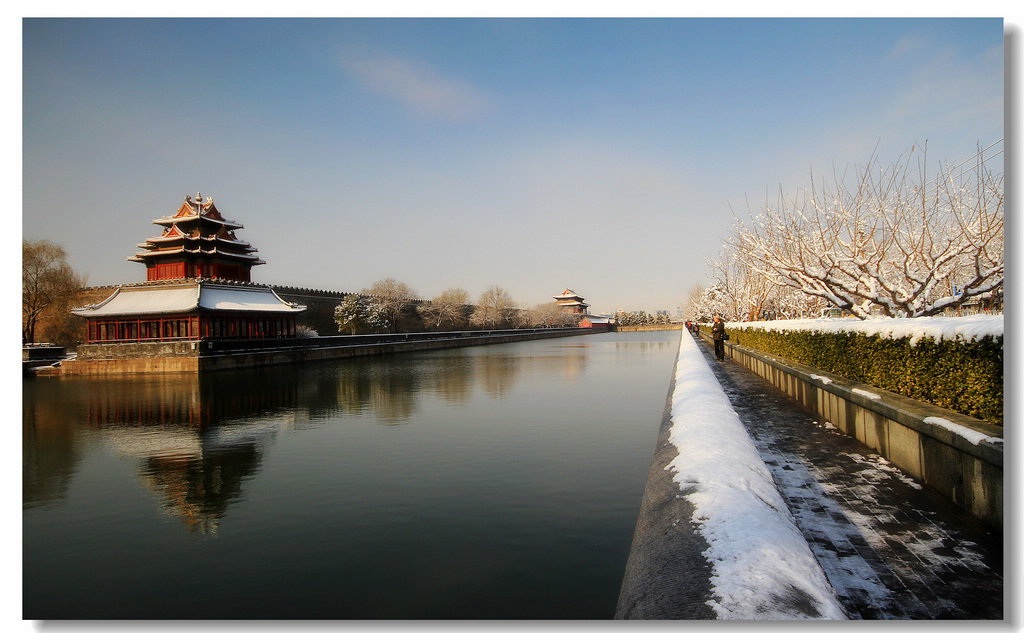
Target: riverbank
714 539
217 355
745 482
659 327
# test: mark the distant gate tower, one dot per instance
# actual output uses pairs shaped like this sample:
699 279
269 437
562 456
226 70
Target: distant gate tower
571 302
197 287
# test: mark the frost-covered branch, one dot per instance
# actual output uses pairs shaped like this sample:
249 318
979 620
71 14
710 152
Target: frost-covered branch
892 241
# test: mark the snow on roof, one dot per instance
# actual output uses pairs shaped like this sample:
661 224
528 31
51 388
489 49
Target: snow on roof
254 299
967 328
154 300
567 293
166 299
755 549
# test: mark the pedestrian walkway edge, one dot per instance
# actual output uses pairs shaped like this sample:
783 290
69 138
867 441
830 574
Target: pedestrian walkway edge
713 539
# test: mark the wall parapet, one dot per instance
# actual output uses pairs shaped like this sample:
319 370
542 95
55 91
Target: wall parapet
959 456
219 354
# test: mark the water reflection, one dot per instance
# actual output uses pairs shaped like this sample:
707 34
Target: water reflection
491 482
194 479
195 440
49 450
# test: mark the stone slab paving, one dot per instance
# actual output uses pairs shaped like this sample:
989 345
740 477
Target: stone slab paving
890 547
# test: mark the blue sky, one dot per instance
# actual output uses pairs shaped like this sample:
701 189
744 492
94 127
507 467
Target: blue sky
604 155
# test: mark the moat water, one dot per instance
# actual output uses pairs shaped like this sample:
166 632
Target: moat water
495 482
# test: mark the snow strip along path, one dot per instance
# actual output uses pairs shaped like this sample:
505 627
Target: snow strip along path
762 567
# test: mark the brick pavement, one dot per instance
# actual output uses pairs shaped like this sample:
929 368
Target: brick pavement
890 547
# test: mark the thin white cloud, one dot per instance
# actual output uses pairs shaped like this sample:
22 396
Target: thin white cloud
906 45
417 86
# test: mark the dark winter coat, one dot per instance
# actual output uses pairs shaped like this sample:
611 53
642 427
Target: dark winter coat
718 331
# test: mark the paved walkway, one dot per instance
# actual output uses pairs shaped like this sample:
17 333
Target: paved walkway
891 548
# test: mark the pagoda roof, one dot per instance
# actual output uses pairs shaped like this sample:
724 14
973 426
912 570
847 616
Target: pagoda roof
197 210
183 250
177 298
568 294
197 230
176 235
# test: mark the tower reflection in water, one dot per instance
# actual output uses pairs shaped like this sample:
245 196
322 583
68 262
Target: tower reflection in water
197 439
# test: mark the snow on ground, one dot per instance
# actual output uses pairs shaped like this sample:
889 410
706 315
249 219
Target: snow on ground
763 566
968 328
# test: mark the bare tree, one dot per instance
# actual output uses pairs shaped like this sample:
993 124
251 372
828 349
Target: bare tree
494 309
386 299
550 314
449 307
47 284
910 247
742 295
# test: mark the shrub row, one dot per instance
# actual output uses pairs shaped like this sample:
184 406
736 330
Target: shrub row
966 377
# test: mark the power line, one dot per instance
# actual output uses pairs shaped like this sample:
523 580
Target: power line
981 152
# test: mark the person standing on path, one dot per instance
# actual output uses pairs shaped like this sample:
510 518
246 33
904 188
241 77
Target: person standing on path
718 335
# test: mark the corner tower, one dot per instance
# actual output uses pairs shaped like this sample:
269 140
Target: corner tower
197 242
197 287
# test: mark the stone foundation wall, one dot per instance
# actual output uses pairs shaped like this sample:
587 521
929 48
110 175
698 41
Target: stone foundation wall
212 355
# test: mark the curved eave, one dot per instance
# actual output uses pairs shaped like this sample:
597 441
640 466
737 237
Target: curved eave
181 250
204 238
172 220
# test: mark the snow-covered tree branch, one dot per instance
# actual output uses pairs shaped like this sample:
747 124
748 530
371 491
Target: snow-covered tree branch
906 245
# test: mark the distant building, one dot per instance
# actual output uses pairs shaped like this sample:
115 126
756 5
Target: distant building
197 287
571 302
597 322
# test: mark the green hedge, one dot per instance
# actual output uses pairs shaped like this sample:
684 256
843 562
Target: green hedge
966 377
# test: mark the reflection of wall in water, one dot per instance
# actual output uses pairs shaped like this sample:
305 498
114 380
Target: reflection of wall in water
49 449
190 400
389 390
632 352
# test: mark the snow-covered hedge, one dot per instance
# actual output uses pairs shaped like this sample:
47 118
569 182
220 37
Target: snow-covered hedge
953 362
